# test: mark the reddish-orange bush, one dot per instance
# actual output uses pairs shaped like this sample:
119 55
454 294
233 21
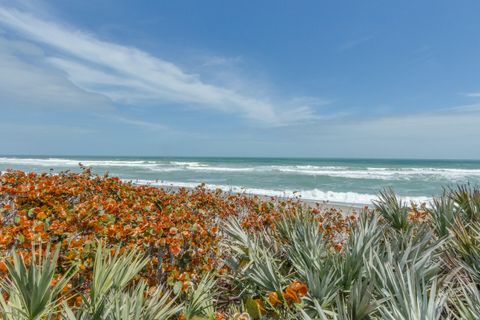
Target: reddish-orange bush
178 231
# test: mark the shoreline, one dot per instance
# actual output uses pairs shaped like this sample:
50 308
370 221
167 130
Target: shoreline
343 182
351 198
169 186
322 204
345 208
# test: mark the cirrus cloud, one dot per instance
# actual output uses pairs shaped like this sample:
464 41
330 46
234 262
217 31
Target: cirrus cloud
128 75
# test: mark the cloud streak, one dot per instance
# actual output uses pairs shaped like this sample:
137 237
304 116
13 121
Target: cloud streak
139 123
473 94
27 82
447 134
354 43
128 75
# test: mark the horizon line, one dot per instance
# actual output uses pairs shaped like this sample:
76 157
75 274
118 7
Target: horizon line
238 157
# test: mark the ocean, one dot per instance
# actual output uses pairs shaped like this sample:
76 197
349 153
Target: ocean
348 181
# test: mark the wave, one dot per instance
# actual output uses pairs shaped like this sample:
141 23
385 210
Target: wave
347 198
59 162
372 173
313 194
188 163
389 174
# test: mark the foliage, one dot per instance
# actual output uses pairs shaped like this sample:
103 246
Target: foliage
137 252
30 287
443 212
392 209
177 231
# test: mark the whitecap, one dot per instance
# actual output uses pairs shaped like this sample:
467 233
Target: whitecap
313 194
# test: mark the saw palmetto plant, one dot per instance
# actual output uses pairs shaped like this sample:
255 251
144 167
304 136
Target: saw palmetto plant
32 290
391 266
31 287
395 261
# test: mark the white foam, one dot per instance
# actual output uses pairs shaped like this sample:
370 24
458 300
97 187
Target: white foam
198 166
223 169
313 194
373 173
193 164
380 173
343 172
59 162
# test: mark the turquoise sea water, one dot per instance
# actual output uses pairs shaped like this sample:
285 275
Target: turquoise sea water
335 180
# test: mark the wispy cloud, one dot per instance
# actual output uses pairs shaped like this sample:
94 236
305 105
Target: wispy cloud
25 81
473 94
447 134
221 61
351 44
474 107
129 75
139 123
32 129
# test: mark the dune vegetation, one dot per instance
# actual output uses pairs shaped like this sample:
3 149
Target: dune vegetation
82 246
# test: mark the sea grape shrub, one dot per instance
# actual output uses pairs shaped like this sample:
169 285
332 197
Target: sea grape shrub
178 231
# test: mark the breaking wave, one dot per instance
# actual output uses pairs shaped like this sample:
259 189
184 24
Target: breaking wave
372 173
313 194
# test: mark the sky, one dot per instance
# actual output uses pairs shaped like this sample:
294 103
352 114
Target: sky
272 78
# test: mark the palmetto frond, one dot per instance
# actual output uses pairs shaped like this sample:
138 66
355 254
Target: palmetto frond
199 304
31 288
392 209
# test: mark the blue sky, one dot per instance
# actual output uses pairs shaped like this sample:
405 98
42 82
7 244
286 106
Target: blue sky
241 78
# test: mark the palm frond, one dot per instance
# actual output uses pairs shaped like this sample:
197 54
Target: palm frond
393 209
111 274
465 246
467 198
443 212
136 305
409 296
200 301
365 235
32 292
466 301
